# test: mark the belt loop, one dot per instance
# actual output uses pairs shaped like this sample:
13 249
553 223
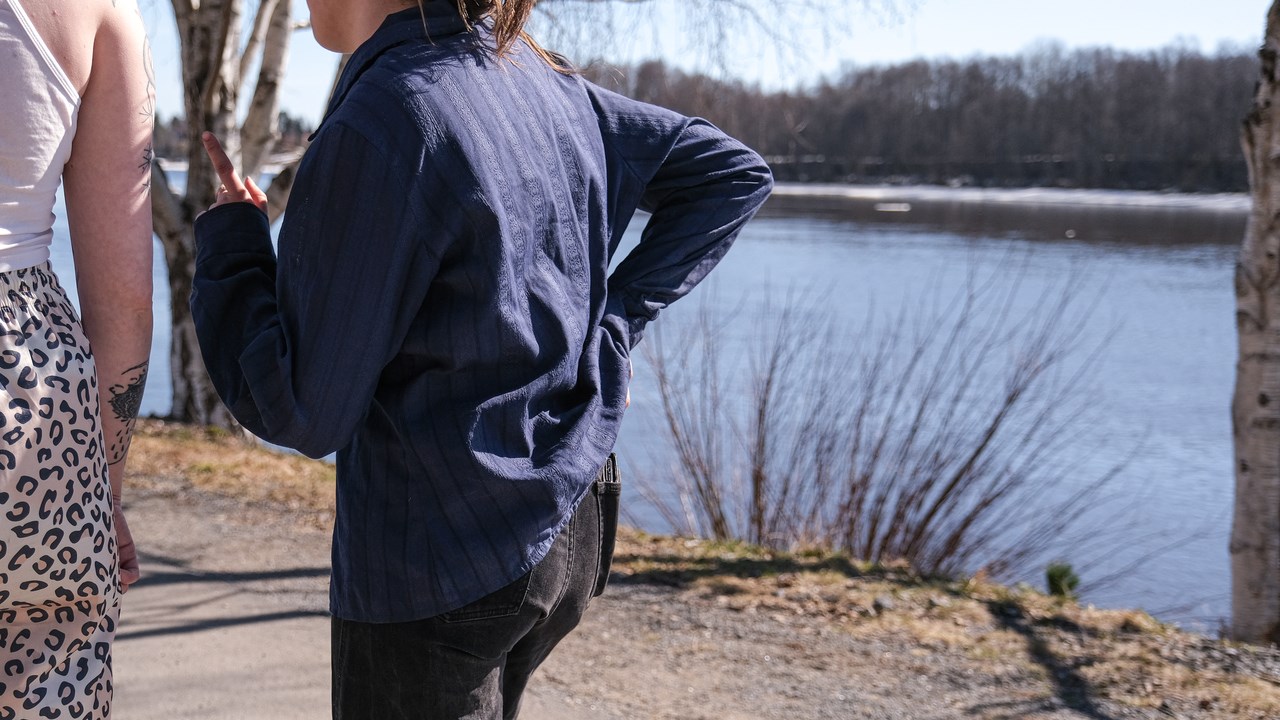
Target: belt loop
609 482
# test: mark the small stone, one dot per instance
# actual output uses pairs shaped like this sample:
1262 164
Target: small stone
883 603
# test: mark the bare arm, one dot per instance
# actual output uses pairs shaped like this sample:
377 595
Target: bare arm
109 212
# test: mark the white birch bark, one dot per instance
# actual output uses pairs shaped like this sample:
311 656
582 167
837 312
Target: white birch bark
266 10
1255 533
212 66
260 130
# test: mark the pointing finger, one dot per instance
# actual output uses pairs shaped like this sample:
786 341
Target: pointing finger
256 194
221 163
259 197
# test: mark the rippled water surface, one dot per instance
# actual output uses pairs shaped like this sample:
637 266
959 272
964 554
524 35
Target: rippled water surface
1160 272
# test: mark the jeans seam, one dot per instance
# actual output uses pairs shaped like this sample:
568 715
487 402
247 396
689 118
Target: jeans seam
462 615
338 650
595 582
571 529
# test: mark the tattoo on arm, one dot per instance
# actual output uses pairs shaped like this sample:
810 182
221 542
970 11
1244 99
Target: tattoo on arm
148 157
148 109
126 398
148 112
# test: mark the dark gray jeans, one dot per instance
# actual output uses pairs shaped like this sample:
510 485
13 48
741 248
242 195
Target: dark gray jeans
475 662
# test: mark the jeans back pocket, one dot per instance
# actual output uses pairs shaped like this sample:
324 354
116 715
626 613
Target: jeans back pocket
608 492
503 602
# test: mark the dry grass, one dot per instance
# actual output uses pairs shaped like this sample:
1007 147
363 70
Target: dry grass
172 456
1124 656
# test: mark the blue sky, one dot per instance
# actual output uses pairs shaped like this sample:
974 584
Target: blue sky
866 34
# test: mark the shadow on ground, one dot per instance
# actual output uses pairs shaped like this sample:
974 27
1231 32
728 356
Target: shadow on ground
197 607
1070 686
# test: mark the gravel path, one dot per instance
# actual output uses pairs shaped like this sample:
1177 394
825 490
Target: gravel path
229 622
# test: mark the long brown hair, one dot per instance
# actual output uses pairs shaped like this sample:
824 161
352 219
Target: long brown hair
509 18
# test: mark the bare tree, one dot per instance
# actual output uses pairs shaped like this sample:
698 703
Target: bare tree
216 59
1255 409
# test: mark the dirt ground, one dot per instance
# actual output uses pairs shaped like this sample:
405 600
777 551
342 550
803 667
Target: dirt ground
230 623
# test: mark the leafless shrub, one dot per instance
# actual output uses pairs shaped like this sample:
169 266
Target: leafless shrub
936 435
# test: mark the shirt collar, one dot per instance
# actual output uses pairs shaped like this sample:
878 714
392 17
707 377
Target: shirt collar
436 19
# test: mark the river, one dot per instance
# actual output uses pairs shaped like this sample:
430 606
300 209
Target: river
1157 272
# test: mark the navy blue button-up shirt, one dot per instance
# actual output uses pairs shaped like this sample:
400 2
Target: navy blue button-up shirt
440 311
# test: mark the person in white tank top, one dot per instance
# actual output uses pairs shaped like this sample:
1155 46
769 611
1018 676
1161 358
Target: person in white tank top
76 109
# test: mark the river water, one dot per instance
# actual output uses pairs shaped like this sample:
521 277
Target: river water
1156 272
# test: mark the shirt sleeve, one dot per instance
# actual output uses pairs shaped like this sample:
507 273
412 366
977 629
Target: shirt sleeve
701 187
295 345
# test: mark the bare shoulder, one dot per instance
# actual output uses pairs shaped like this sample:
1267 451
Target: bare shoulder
75 29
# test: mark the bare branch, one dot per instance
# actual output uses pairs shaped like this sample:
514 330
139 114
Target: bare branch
714 31
221 54
930 476
259 132
256 35
182 10
281 186
166 207
208 33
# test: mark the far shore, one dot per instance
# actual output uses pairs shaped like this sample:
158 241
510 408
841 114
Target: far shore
1217 202
1232 203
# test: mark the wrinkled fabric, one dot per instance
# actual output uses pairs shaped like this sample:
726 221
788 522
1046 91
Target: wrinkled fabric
439 309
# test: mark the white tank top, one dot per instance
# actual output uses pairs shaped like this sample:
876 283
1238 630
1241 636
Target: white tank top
38 108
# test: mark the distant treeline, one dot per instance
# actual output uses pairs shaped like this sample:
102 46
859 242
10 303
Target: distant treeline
1165 119
170 137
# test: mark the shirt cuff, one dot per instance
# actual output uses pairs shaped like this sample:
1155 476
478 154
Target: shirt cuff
632 327
232 228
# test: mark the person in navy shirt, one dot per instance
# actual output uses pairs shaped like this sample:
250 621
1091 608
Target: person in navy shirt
440 314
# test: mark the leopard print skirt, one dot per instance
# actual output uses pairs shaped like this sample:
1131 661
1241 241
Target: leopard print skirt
59 585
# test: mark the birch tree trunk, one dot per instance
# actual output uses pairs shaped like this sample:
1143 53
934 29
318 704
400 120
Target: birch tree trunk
215 63
1255 411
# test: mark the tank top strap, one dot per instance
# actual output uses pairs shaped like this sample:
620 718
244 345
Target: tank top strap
55 70
41 107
